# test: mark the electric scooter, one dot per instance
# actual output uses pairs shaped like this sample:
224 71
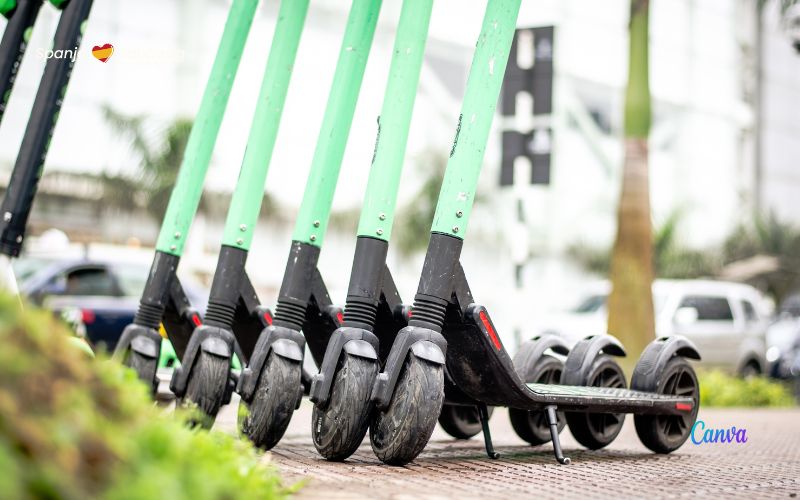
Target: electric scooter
163 299
234 317
373 313
16 206
21 17
448 330
274 373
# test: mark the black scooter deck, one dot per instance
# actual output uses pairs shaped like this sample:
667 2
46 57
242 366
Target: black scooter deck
483 370
575 398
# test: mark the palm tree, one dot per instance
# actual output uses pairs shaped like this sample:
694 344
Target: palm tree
630 304
158 163
160 153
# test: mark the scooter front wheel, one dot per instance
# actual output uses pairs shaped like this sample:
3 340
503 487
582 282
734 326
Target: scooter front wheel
339 428
399 433
267 416
206 387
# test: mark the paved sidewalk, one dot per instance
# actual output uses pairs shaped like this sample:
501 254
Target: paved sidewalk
767 466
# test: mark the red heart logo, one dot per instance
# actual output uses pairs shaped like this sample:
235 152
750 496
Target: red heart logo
103 52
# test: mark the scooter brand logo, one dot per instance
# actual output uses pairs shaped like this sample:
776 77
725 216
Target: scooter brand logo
103 52
701 435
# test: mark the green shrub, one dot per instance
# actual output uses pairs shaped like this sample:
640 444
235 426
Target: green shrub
75 427
720 389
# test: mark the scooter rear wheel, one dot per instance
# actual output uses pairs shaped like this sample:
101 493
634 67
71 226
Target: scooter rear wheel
206 387
461 422
597 430
399 433
144 367
666 433
532 426
340 427
274 401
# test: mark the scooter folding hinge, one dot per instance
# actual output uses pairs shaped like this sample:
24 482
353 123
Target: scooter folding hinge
552 420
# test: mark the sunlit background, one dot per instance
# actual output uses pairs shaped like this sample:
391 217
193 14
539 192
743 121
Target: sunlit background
724 145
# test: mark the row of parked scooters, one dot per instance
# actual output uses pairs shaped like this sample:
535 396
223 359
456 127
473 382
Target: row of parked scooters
384 366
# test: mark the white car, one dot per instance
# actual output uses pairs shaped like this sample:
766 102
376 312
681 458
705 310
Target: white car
726 321
782 336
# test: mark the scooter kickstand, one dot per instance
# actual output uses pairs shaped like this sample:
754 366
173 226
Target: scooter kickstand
483 415
552 419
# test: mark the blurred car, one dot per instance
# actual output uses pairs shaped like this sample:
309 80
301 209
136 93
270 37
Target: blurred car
107 293
727 321
783 337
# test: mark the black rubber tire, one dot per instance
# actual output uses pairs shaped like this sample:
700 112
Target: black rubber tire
666 433
597 430
532 426
206 387
462 422
145 368
274 401
340 427
400 433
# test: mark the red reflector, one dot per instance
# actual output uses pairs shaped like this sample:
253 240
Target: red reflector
490 329
340 317
87 316
409 313
683 407
196 320
268 318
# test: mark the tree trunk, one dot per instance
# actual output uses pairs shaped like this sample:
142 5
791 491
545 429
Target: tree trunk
630 304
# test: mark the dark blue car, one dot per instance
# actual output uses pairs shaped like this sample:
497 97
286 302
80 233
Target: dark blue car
106 293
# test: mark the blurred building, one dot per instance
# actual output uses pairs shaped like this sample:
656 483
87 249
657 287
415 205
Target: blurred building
719 145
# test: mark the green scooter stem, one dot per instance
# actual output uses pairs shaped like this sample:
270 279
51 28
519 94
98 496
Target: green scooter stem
443 292
457 194
189 185
7 7
377 213
371 288
249 193
312 220
163 300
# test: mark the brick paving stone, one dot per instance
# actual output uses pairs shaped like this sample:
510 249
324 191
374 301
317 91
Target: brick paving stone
767 466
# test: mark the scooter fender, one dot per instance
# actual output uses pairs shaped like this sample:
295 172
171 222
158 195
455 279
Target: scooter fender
655 358
428 351
211 339
361 349
353 341
424 343
145 341
216 346
288 349
530 352
146 346
286 342
583 354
